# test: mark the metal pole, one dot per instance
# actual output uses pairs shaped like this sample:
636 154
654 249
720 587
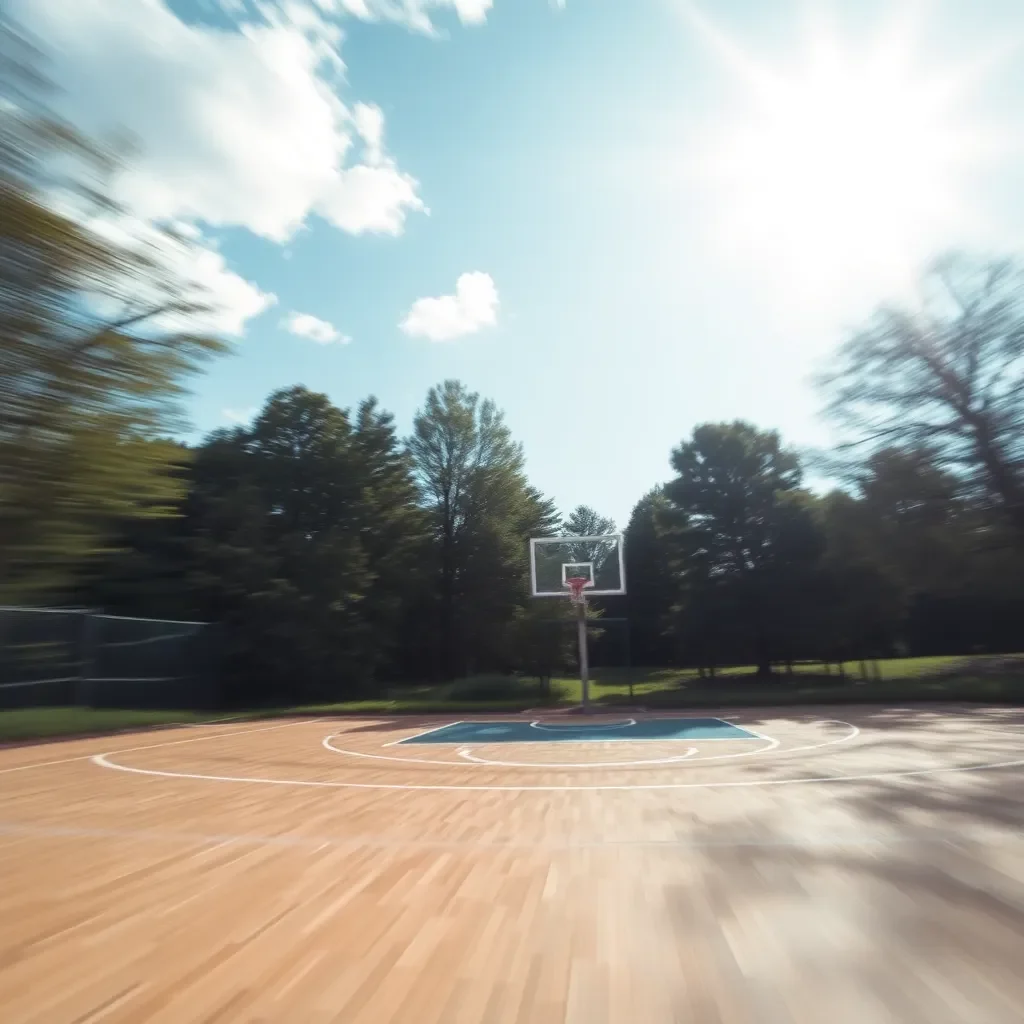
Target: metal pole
581 628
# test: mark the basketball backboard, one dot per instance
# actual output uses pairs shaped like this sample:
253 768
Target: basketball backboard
600 560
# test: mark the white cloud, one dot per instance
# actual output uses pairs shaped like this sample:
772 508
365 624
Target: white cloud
240 417
234 128
307 326
369 123
226 299
234 300
473 306
414 14
472 12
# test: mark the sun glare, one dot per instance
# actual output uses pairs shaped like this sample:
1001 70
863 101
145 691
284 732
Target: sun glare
844 166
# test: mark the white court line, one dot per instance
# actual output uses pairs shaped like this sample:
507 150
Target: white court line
415 736
468 755
215 721
150 746
576 726
326 743
103 760
44 764
773 744
751 733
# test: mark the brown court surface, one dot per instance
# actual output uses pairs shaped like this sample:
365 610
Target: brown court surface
848 866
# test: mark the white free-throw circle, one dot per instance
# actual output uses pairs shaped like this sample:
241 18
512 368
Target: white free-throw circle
575 727
772 744
771 747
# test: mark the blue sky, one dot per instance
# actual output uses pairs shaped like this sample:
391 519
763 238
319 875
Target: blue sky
661 213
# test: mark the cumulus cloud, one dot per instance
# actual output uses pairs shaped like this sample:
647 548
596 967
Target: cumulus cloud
446 317
307 326
234 128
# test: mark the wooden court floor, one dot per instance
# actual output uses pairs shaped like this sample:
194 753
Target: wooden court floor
845 866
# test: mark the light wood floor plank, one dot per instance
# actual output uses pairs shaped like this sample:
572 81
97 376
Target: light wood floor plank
414 887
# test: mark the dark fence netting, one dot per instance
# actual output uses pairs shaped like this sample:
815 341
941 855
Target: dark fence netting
64 656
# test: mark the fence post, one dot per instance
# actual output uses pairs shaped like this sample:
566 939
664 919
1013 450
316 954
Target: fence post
4 654
86 660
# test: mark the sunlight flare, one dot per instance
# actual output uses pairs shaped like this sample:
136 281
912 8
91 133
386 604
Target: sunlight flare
848 164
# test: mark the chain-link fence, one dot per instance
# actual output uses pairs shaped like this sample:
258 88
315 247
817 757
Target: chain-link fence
63 656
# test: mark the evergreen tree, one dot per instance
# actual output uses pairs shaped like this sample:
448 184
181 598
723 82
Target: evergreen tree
742 538
482 511
307 534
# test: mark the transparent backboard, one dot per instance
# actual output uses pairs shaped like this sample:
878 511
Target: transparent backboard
599 560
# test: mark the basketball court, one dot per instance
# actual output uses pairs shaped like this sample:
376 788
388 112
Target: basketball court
807 865
753 865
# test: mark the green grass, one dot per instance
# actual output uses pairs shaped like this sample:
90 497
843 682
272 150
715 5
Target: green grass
41 723
22 724
903 680
418 707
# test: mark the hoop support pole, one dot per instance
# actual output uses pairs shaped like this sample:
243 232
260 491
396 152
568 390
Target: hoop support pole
581 629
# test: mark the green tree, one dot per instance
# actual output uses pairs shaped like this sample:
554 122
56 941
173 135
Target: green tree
653 589
742 538
482 511
926 568
946 376
587 522
543 639
96 342
860 602
307 535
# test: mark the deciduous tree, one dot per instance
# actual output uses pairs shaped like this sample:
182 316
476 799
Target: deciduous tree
946 375
97 337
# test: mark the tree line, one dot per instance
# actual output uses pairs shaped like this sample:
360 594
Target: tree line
336 555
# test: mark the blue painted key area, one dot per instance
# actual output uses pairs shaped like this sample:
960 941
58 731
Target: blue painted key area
584 732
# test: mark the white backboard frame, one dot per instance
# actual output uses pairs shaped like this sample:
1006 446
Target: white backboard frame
535 542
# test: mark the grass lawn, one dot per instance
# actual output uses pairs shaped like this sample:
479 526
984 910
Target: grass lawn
40 723
903 680
22 724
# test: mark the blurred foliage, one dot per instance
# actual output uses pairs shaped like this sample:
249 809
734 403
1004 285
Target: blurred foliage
943 376
95 343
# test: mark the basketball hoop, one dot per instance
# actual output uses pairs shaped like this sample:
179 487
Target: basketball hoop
576 585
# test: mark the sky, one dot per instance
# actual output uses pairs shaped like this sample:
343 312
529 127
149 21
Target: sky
616 218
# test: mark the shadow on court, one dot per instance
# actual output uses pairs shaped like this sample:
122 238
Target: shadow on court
912 912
